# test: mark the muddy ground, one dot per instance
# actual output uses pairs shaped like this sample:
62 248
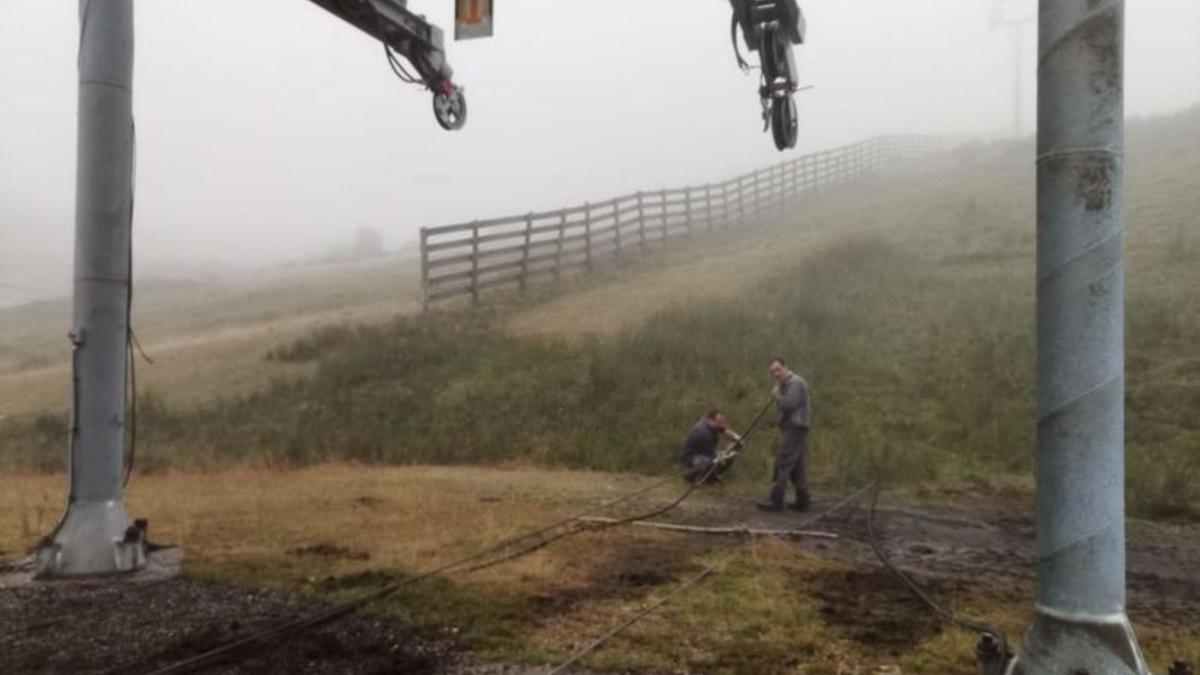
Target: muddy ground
988 548
139 628
72 628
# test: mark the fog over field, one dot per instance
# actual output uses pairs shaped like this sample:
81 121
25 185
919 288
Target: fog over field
270 130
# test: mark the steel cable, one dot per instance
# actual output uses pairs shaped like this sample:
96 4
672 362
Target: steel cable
264 637
299 625
612 632
974 626
598 642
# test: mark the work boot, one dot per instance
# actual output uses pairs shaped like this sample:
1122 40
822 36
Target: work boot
769 506
801 503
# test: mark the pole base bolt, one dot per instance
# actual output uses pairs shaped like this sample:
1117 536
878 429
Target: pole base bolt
1181 668
990 658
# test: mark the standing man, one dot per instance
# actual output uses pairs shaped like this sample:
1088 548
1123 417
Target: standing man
795 416
699 449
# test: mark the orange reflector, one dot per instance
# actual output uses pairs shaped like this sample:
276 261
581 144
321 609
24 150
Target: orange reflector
472 19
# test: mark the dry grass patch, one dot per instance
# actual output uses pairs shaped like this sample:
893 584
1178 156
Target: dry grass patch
336 531
225 361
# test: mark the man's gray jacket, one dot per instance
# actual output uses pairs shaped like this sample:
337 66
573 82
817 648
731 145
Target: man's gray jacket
794 404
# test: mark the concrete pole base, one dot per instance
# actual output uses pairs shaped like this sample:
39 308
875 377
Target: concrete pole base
95 539
1074 644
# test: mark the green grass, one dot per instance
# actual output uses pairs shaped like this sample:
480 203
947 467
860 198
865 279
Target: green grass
917 340
918 375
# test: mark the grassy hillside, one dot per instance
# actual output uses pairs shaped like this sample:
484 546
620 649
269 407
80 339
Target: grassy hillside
206 337
911 316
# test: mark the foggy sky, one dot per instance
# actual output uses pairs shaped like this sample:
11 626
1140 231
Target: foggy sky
269 129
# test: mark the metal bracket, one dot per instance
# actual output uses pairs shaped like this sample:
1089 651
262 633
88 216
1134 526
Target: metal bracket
407 33
94 539
1096 645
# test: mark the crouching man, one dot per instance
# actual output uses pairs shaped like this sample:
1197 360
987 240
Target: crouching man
699 451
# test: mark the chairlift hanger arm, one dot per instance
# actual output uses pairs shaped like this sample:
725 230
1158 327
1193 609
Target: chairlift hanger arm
409 35
771 27
390 22
752 15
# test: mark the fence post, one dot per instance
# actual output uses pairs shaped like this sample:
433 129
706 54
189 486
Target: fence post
662 205
424 270
757 203
786 185
762 193
772 195
525 250
687 211
725 204
562 229
770 208
778 188
641 221
587 236
475 262
708 224
616 207
741 200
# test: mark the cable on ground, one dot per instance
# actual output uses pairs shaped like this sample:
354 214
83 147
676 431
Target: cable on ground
265 637
690 582
289 629
598 642
968 624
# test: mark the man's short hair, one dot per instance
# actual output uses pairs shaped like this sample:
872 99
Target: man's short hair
777 359
712 414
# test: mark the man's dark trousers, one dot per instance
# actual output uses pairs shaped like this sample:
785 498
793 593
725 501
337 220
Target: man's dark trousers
789 465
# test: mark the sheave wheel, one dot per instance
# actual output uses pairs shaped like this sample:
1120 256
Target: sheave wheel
785 123
450 110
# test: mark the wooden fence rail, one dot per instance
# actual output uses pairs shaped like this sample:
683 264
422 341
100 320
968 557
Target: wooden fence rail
467 258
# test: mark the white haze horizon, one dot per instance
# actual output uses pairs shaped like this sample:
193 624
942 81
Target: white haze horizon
270 131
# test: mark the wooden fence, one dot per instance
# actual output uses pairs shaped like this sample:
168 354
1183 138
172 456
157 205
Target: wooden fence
468 258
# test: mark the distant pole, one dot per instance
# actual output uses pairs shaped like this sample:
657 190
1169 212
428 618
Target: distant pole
1018 52
1017 24
1080 624
94 536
